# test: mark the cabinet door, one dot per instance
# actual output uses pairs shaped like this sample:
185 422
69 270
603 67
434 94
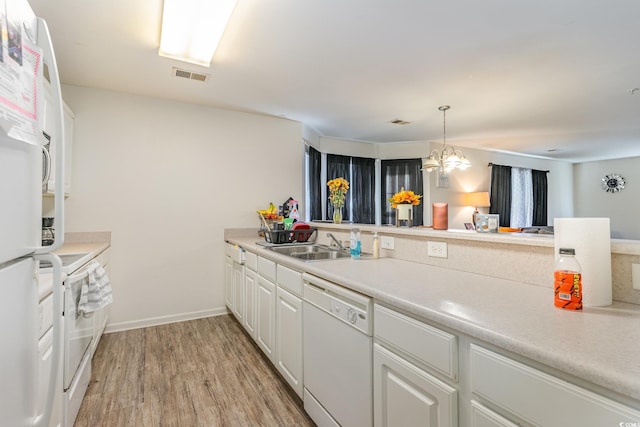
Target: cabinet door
266 317
289 338
250 286
482 416
405 395
238 292
228 282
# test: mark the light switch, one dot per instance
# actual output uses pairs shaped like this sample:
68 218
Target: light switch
635 276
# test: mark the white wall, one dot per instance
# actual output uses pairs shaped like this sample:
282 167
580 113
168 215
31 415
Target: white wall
477 178
166 178
592 201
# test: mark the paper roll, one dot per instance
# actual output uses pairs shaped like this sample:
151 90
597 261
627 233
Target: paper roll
440 216
591 239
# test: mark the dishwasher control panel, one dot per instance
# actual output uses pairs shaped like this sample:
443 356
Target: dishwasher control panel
351 307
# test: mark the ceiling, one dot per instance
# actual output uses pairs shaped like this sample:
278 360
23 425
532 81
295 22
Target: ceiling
548 78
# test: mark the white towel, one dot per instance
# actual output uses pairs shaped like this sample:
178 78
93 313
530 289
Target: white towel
96 290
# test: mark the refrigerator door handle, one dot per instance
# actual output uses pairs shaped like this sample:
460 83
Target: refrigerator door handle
44 41
55 385
47 166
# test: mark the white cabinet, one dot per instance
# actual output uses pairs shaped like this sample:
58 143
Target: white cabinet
481 416
266 317
539 398
238 291
289 327
52 132
289 338
404 392
250 289
228 282
405 395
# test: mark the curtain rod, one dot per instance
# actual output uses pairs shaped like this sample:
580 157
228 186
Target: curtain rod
493 164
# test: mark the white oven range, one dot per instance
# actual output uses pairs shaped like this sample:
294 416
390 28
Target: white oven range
78 335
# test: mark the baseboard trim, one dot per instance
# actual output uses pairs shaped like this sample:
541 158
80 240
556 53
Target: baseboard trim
163 320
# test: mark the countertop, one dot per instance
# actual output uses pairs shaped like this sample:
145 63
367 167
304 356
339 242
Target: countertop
91 249
600 345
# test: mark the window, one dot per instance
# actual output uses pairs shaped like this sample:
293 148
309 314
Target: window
519 196
360 172
363 196
398 174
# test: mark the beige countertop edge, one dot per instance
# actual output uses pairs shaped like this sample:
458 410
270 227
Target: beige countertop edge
597 345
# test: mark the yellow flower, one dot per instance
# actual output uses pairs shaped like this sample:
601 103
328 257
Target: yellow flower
404 197
337 191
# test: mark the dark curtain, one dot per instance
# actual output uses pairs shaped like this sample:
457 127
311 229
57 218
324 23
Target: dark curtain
500 197
539 179
397 174
339 166
315 186
362 190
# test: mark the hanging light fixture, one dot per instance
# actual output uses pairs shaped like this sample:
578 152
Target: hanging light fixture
448 158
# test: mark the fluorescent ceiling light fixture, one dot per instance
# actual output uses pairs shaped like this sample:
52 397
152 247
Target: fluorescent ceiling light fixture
192 29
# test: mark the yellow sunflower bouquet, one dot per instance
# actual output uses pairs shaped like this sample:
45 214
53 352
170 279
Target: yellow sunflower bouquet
338 188
404 197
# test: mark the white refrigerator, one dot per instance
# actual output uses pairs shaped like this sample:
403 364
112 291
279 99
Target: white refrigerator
26 48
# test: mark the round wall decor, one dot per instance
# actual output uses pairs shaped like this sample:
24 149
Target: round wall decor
613 183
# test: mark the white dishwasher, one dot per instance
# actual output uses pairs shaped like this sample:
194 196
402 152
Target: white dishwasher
337 352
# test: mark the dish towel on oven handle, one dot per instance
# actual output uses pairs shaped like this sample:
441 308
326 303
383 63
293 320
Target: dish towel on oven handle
95 293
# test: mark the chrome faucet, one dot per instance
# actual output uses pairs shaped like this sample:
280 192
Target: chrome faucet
338 242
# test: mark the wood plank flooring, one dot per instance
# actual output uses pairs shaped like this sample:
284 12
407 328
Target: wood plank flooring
204 372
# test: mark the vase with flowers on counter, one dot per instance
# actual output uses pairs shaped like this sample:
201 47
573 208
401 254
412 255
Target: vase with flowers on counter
338 188
403 202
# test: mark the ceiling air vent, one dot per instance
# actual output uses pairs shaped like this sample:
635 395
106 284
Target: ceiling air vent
186 74
399 122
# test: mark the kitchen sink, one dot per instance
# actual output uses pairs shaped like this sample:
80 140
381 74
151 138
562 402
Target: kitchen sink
312 252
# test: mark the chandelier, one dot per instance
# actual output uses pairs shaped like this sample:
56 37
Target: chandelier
448 158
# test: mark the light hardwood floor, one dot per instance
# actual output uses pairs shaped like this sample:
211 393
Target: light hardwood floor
203 372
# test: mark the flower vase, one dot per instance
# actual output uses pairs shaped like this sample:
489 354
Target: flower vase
404 215
337 214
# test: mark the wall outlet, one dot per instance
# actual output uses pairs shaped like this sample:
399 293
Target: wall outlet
437 249
635 276
387 242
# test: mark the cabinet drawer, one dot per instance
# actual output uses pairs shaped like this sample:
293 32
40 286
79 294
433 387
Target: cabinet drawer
251 260
267 269
540 398
290 280
236 253
431 346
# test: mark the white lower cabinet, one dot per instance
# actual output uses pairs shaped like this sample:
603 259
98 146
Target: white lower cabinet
238 292
266 317
405 395
481 416
539 398
250 288
289 338
228 282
